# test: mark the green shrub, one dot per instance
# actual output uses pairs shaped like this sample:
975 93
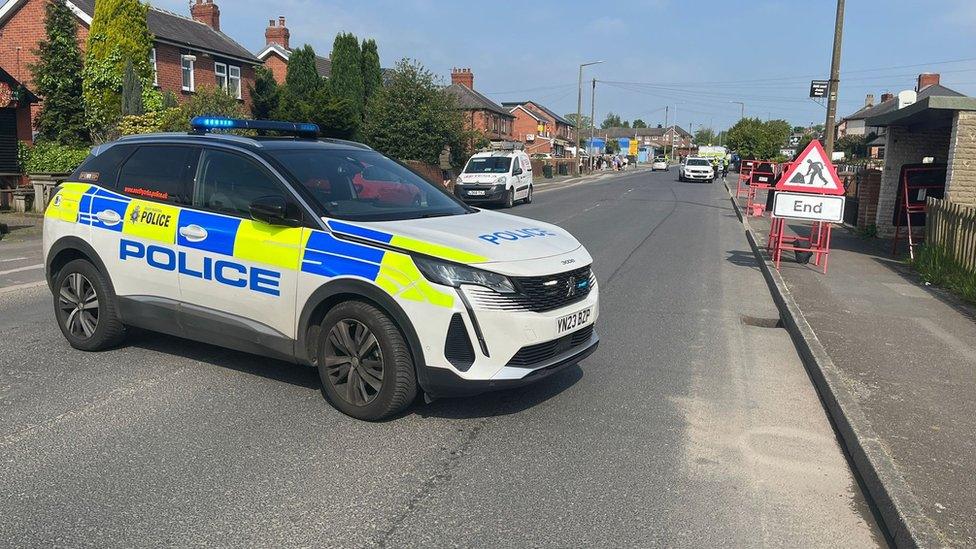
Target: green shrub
50 157
938 267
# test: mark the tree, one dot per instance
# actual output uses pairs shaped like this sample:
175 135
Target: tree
854 146
118 33
302 85
412 118
704 136
638 123
57 78
346 80
612 121
131 91
372 73
587 122
264 94
753 138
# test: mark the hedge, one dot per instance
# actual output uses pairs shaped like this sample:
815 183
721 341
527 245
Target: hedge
51 157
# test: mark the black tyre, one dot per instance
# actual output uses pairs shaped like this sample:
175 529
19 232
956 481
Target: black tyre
509 199
364 362
86 308
528 196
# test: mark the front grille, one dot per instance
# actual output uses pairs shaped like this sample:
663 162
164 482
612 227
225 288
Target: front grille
540 352
457 346
538 293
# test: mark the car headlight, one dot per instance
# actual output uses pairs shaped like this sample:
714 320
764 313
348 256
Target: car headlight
501 180
452 274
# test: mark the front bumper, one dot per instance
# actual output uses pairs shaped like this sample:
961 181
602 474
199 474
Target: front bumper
441 382
699 176
491 193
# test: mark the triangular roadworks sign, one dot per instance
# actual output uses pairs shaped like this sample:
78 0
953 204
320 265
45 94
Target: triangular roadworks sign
811 173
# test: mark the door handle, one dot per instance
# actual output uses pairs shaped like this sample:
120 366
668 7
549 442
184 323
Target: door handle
109 217
193 233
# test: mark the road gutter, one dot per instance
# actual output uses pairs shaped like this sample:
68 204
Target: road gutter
897 505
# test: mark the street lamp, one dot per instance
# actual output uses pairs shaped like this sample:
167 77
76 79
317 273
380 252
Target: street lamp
742 108
579 104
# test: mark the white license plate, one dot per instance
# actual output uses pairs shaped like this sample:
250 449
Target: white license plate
476 193
573 321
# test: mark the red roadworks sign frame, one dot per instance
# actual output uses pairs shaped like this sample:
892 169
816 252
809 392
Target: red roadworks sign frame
814 155
745 171
909 207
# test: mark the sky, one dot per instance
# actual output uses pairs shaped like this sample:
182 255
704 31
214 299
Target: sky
693 56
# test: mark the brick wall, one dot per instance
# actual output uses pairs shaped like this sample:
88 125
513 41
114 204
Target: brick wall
868 187
277 66
961 175
905 147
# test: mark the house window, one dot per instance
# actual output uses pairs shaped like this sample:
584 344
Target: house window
152 59
220 74
188 80
234 81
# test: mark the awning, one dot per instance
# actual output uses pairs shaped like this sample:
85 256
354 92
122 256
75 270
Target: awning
936 111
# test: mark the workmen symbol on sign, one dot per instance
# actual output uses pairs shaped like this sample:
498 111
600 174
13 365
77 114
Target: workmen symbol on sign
815 170
811 172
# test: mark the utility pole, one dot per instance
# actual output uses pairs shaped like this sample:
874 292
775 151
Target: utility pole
592 118
579 104
742 109
666 109
834 82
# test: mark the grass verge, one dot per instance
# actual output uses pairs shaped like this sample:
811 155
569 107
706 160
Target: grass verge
939 268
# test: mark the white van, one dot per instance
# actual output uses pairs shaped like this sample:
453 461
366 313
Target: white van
500 177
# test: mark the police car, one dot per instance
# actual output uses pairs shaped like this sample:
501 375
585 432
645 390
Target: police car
269 245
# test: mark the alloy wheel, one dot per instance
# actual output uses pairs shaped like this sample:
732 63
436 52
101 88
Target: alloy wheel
78 301
354 362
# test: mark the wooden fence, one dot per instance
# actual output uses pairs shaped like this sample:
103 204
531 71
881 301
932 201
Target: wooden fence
953 227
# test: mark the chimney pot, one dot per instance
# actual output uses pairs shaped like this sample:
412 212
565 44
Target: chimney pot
463 77
927 79
869 100
887 96
278 33
206 12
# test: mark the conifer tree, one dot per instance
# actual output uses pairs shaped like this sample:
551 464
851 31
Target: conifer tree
57 78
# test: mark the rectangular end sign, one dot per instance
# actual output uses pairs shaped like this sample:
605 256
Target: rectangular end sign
812 207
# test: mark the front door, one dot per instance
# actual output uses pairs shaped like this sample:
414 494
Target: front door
235 270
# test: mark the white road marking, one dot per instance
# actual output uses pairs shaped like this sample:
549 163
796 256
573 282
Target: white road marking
597 205
22 269
12 259
18 287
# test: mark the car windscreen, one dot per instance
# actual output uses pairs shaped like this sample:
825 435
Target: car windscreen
488 164
698 162
363 185
659 159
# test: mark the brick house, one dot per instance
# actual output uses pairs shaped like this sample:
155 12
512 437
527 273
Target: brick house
189 52
481 114
275 55
542 130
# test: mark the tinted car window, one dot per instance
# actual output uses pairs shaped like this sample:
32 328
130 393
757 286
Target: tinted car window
698 162
104 168
365 185
159 172
228 183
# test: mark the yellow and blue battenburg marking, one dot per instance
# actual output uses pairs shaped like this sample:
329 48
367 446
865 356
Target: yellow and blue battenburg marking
313 252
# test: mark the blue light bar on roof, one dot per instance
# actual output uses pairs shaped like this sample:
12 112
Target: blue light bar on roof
204 124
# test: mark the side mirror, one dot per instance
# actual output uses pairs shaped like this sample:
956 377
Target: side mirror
272 210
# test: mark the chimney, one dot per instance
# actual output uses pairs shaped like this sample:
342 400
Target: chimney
869 100
206 12
277 33
463 77
886 96
927 79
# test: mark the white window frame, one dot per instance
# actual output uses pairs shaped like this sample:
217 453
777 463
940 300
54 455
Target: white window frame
183 67
231 69
220 71
152 59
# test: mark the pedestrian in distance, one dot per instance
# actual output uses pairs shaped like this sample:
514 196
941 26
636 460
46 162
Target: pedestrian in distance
445 163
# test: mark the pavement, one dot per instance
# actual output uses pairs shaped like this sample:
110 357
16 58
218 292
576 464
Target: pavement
906 353
695 423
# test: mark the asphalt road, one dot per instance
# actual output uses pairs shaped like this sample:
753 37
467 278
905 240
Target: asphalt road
693 424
